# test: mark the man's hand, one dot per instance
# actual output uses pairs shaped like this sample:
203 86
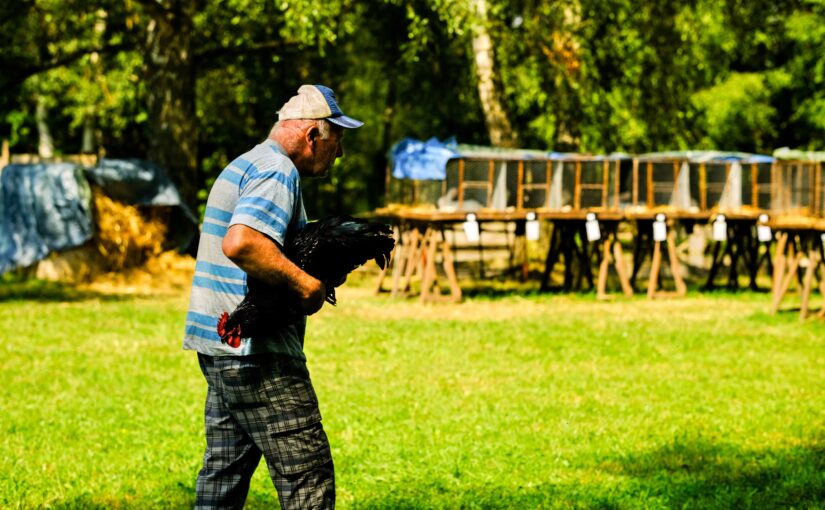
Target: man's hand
313 298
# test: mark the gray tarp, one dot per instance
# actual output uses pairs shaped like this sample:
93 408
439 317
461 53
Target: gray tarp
43 208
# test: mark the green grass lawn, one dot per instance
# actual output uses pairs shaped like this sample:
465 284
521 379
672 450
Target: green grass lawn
512 401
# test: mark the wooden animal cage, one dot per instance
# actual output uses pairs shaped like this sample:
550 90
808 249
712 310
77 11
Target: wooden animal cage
659 181
732 184
703 182
797 188
529 182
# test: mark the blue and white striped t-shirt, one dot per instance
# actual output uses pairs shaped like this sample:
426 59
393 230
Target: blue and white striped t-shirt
262 190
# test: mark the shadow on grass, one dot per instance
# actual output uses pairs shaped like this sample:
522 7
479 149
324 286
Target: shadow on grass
696 473
683 474
46 291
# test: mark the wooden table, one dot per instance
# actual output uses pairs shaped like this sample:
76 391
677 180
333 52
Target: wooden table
645 244
798 244
569 244
421 239
741 243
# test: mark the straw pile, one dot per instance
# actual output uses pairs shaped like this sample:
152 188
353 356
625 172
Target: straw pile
126 236
127 250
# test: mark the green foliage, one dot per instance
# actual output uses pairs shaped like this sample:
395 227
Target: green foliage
738 113
586 75
804 92
511 402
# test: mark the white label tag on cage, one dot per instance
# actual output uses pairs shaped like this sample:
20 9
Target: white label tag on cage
720 230
471 228
764 234
591 227
659 231
532 230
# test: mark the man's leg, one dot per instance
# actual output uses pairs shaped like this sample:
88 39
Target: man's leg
306 478
231 456
288 430
272 400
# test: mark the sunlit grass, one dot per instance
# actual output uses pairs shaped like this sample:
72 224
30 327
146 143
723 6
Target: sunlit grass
540 401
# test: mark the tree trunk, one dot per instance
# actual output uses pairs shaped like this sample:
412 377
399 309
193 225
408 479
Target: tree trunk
45 144
88 144
170 85
498 124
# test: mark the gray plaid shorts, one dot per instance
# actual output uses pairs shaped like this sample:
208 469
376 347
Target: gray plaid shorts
263 405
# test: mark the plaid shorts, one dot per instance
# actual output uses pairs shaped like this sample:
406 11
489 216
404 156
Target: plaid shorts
263 405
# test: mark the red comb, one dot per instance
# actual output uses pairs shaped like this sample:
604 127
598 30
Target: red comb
232 338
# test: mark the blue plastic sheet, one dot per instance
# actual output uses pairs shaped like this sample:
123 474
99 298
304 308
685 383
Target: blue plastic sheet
43 208
414 159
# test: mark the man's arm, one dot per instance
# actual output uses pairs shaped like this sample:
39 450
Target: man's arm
262 259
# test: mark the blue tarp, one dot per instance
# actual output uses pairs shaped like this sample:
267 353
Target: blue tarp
414 159
47 207
43 208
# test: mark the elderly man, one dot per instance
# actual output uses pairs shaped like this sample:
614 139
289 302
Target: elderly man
260 399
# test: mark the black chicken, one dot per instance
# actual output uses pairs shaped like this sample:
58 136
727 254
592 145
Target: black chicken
328 249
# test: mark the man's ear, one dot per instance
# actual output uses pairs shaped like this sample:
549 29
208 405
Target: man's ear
312 134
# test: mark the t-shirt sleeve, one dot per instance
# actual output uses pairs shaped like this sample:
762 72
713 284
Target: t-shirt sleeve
267 201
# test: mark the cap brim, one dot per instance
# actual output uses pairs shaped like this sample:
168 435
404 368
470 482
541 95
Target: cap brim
344 121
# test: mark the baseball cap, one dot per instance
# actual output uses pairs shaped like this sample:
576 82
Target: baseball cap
316 102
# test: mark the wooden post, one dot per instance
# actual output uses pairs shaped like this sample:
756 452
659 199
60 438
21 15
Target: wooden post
635 181
618 260
601 286
727 179
461 183
655 265
703 187
449 270
5 157
754 185
605 182
548 170
520 188
681 288
775 200
650 201
429 246
676 178
491 177
779 263
616 184
577 190
807 282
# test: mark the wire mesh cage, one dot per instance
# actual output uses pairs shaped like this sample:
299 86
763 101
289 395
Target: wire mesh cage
414 193
662 181
496 182
479 183
796 188
730 185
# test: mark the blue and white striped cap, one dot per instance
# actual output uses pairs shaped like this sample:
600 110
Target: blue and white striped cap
316 102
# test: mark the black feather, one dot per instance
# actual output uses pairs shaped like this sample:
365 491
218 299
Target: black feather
328 249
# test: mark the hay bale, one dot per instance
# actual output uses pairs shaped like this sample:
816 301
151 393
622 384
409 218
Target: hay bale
124 237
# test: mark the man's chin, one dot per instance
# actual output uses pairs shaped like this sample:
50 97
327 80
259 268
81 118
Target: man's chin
322 175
